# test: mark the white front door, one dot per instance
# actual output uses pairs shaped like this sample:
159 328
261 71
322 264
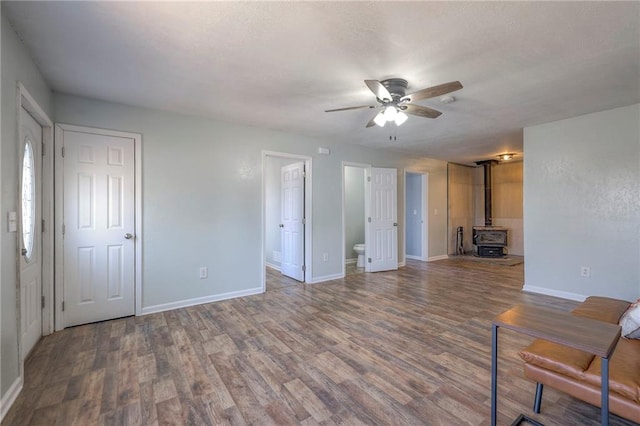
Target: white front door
382 244
99 226
292 220
31 230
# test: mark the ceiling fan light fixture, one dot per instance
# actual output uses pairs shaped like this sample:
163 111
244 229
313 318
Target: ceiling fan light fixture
380 119
401 117
390 113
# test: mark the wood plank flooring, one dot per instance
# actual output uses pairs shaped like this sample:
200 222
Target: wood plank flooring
407 347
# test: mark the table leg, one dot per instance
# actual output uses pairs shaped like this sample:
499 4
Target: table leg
604 391
494 373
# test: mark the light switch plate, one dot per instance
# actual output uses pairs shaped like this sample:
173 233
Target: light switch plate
12 222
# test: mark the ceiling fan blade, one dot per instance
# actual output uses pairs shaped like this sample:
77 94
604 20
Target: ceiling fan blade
378 89
421 111
433 91
349 108
372 122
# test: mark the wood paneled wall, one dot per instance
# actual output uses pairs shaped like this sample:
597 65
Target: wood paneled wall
461 204
466 202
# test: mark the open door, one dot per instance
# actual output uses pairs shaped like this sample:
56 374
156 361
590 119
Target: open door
292 223
382 244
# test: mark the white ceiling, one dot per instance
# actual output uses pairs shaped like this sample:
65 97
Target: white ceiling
280 65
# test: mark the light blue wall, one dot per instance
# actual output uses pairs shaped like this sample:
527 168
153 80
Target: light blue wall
201 188
17 65
582 205
414 214
354 220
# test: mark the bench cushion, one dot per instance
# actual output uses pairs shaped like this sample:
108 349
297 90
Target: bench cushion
573 362
602 309
578 373
624 370
558 358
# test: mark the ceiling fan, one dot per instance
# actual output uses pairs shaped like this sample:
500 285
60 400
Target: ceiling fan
394 104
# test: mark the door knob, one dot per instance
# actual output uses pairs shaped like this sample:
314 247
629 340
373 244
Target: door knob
281 225
23 251
128 236
395 223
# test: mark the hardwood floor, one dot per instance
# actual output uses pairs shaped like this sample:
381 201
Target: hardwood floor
406 347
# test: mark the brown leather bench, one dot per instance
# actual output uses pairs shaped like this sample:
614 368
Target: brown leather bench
578 373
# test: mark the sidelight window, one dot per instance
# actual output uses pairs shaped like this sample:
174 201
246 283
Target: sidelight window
28 189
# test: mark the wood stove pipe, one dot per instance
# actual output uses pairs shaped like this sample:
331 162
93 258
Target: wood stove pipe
487 165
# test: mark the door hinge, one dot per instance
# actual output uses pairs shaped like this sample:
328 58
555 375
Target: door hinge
368 178
304 268
63 151
42 300
43 225
42 152
369 260
304 174
304 221
63 306
369 220
64 229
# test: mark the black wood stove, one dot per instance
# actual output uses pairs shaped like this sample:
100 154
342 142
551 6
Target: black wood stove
490 241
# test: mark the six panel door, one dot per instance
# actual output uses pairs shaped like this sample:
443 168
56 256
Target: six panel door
99 233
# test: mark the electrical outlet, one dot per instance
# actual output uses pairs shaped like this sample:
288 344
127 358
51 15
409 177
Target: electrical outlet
585 271
325 257
204 272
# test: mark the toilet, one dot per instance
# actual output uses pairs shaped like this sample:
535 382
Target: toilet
359 249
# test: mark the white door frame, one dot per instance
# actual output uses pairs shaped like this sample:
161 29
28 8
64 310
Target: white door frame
59 185
28 102
424 231
367 195
308 255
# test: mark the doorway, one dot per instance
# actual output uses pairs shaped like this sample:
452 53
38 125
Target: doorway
354 182
380 216
286 207
30 231
99 242
416 208
33 222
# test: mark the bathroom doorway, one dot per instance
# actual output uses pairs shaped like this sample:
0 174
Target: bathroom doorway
286 202
416 208
354 183
369 215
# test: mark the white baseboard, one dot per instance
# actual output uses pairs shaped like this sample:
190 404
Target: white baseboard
324 278
10 397
441 257
402 264
412 257
555 293
272 266
200 300
350 261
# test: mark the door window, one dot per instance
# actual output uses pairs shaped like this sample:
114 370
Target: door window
28 199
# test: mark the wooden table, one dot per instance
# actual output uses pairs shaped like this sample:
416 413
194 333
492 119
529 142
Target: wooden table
591 336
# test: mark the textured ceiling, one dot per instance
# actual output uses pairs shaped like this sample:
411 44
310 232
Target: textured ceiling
280 65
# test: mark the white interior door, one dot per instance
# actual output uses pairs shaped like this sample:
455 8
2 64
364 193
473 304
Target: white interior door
292 220
31 230
382 244
99 227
